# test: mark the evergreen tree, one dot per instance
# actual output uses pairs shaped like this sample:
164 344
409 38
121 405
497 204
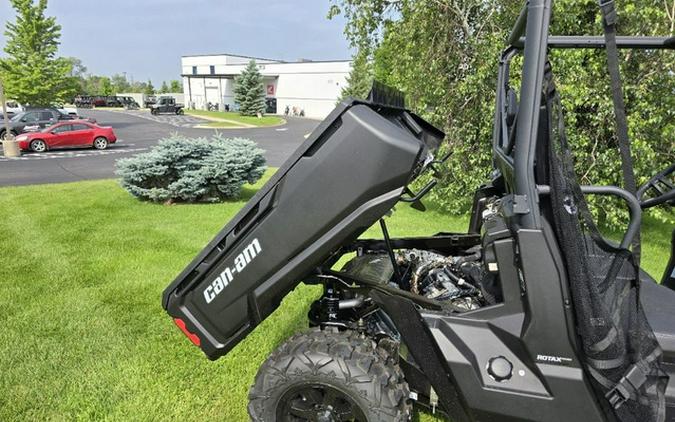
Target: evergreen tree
249 91
164 89
149 89
175 86
31 71
360 78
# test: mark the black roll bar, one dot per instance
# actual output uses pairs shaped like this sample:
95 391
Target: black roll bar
530 34
584 41
537 19
519 28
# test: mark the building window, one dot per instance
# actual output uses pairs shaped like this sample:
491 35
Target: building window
212 69
194 70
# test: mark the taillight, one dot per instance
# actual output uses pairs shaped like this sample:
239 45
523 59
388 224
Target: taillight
193 337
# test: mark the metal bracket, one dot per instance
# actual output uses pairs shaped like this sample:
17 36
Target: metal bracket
515 204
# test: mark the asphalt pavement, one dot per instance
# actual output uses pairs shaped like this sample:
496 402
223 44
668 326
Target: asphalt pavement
137 134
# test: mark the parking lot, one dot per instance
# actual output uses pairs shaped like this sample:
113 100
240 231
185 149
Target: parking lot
184 121
137 131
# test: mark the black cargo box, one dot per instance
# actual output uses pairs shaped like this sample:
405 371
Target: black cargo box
350 171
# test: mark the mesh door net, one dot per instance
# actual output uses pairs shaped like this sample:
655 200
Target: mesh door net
620 351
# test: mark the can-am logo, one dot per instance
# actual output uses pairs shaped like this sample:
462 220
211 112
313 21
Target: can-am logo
249 253
553 359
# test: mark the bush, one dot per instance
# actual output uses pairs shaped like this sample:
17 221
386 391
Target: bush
192 170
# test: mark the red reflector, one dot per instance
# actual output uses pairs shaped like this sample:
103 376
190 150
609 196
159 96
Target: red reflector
193 337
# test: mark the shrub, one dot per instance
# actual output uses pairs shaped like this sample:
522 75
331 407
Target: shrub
192 170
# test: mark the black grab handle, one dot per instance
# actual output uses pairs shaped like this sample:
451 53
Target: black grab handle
633 207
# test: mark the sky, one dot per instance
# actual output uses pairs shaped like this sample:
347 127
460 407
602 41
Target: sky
146 38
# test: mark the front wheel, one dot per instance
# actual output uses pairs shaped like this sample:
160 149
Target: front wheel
329 376
180 111
100 143
153 112
2 133
38 145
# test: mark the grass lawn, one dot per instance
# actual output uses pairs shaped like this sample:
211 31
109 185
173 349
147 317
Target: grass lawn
267 120
84 336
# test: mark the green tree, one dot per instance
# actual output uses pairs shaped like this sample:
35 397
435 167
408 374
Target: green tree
77 68
106 87
137 86
76 75
360 78
175 86
249 91
119 83
32 72
149 89
164 88
443 55
92 85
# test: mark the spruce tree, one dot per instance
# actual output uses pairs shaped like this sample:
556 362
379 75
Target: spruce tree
249 91
360 78
149 89
31 71
164 89
176 86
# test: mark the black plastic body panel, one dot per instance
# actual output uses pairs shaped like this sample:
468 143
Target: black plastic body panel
547 382
349 173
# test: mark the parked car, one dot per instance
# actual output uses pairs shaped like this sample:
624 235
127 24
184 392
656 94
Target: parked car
71 111
73 133
113 101
12 108
129 103
149 101
99 102
167 105
83 101
33 120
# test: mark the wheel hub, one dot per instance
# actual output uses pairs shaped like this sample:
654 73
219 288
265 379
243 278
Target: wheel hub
318 403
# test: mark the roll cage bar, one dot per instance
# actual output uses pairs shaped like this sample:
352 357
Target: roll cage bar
515 157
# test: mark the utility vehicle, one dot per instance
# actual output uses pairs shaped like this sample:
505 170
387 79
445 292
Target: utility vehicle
530 315
166 105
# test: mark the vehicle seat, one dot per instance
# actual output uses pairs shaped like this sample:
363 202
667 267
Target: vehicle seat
659 306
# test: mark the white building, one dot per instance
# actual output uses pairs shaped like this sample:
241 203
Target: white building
312 86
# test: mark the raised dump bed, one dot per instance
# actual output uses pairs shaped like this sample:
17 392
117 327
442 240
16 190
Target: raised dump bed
350 172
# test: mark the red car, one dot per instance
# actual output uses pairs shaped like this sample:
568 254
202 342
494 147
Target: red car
70 133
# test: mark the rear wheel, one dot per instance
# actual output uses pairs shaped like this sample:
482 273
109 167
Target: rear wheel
329 376
38 145
100 143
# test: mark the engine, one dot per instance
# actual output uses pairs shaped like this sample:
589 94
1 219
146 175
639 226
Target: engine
460 280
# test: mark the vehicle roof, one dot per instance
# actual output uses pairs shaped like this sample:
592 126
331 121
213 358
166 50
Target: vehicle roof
70 122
